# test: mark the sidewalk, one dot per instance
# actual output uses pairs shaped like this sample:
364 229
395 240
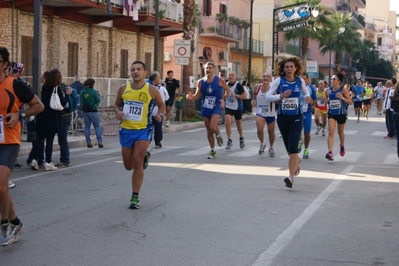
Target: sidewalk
111 128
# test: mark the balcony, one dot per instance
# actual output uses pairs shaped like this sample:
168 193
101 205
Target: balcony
358 20
96 12
243 46
220 30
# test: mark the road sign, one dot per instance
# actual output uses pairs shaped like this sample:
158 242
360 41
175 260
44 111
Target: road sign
182 48
182 61
358 74
312 69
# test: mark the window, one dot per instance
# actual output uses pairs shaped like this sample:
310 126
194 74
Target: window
207 6
148 63
222 8
124 64
72 59
26 54
237 68
379 41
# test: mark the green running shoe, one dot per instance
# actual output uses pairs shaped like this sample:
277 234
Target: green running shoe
146 159
134 202
212 155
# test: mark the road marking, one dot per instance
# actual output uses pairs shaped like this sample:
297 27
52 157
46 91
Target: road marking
379 133
391 159
97 152
247 152
42 173
194 130
350 156
282 241
196 152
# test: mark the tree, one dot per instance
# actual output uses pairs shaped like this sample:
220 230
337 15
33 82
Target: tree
310 31
332 38
366 55
190 22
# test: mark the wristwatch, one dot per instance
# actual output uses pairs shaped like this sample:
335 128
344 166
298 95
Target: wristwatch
22 115
162 115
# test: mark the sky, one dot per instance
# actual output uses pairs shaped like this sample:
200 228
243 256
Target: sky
394 5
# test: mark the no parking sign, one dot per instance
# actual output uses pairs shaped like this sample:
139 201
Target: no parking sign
182 48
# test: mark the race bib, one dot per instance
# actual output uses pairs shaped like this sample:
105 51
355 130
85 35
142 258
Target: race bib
320 102
263 109
289 104
335 104
2 137
209 102
231 103
359 97
133 110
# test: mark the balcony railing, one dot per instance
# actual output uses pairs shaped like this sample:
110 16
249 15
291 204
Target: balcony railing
223 28
257 45
167 10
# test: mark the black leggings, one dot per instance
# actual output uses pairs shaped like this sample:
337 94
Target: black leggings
290 128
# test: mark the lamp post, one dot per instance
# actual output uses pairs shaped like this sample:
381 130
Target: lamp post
156 35
341 30
250 43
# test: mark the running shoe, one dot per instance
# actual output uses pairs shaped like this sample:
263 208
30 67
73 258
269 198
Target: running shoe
34 165
11 233
229 144
62 164
262 148
11 184
158 146
323 132
212 155
289 181
305 154
357 120
17 165
49 167
134 202
146 159
219 140
242 143
342 150
318 130
271 152
300 145
167 124
329 156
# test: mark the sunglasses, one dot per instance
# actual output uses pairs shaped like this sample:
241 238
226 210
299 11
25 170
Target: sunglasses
333 78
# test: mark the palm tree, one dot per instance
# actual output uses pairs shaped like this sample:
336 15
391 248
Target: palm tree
310 31
339 36
366 55
190 15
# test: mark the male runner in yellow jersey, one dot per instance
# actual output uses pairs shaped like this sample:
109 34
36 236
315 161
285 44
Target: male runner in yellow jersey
133 105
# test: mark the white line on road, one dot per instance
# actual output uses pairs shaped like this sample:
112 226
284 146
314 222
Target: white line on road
282 241
66 168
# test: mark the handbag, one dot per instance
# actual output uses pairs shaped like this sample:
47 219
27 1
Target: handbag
55 102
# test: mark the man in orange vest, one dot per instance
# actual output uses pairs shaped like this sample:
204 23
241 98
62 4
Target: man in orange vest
12 94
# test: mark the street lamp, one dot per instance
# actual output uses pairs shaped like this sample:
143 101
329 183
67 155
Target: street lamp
341 30
250 43
156 35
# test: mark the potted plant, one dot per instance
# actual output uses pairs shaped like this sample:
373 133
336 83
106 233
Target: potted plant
162 13
212 29
221 16
244 24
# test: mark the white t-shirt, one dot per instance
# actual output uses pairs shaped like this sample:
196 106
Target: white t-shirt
164 95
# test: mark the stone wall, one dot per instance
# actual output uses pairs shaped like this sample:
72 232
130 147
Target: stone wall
99 47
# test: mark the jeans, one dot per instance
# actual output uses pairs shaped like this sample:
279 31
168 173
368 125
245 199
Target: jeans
62 138
40 158
389 123
35 152
157 131
396 124
89 118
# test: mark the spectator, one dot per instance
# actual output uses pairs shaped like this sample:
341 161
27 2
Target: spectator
77 85
48 122
247 101
90 100
158 135
173 87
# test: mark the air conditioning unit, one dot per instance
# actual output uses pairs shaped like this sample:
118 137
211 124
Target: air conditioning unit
223 56
166 56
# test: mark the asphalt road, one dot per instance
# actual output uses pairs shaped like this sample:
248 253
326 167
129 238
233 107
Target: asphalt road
233 210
